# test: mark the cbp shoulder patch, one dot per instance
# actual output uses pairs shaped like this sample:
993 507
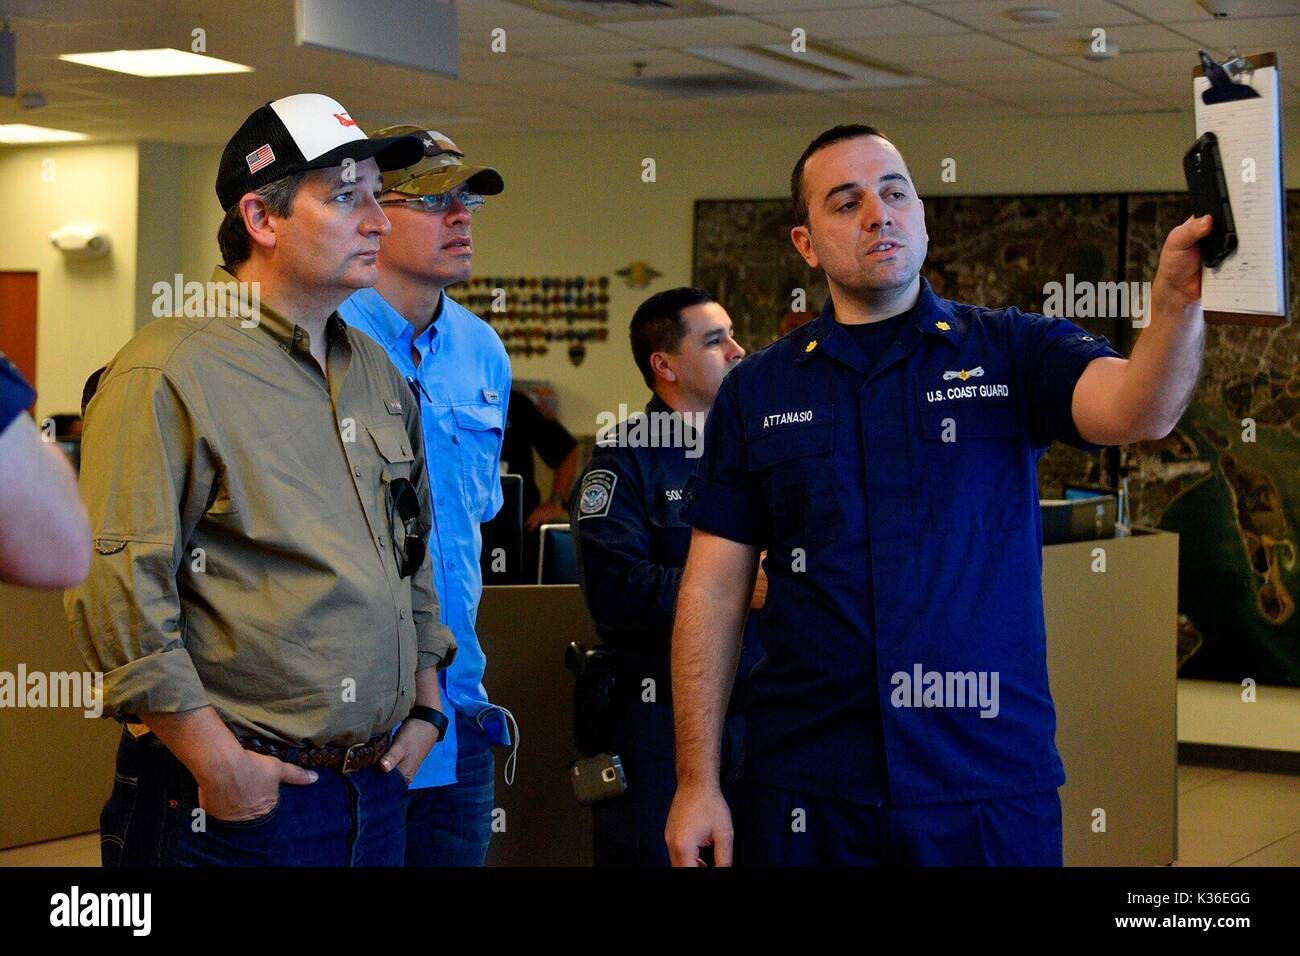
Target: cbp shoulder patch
596 494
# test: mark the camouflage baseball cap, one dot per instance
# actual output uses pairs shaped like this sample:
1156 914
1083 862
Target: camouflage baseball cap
440 170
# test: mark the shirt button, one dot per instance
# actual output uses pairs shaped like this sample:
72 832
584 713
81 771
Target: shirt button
455 439
357 472
402 614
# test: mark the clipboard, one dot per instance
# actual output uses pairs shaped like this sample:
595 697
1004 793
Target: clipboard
1240 101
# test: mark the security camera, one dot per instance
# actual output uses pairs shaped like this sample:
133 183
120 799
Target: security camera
81 242
1221 9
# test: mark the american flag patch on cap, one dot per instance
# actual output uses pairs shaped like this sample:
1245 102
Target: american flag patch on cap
260 158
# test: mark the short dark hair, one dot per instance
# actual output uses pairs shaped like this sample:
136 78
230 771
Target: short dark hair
835 134
657 325
235 243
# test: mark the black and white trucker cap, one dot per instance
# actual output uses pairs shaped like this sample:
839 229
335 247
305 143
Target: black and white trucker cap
297 133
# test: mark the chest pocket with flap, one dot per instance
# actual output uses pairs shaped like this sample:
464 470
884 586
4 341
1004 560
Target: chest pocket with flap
794 464
977 468
394 448
479 428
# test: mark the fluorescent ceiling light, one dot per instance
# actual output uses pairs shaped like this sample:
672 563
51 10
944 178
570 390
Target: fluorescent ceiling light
818 68
25 133
165 62
1035 15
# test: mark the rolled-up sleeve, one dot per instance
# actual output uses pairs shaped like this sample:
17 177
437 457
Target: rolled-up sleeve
722 496
145 474
436 646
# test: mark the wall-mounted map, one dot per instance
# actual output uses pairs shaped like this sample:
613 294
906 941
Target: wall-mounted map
1228 480
1229 488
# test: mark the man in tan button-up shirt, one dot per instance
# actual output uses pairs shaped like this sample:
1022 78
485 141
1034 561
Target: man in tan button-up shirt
253 599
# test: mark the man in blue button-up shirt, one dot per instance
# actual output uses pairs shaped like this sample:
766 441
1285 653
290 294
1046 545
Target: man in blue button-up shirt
885 457
458 369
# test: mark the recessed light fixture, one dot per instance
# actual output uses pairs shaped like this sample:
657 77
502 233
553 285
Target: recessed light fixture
164 62
25 133
1034 14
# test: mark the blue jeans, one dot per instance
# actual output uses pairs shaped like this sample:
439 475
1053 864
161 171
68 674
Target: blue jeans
452 825
351 819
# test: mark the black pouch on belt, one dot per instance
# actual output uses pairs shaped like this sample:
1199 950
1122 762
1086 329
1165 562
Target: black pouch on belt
593 696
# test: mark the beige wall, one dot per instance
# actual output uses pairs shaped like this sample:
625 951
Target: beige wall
85 309
159 254
576 205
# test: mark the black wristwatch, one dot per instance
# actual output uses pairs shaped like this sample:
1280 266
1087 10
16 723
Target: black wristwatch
430 716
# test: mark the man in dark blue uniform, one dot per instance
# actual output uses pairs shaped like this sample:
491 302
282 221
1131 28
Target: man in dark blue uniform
631 545
885 456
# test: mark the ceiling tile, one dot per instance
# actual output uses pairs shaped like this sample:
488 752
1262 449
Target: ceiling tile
781 6
981 72
1250 36
834 26
700 31
1075 40
905 51
555 41
1060 91
991 15
619 66
1142 66
1168 11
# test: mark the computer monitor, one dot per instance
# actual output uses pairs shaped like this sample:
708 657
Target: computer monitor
1082 492
556 561
502 557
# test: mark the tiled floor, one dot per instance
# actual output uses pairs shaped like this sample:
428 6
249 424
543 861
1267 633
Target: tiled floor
1237 818
1225 818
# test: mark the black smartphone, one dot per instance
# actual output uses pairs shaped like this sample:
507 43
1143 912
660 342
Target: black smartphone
1203 167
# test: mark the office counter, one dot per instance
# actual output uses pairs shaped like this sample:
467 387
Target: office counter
1111 656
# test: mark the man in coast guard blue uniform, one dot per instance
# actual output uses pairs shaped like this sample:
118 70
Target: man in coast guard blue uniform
458 372
631 543
885 457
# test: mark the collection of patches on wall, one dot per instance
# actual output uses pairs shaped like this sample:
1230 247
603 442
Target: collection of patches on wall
529 312
1227 479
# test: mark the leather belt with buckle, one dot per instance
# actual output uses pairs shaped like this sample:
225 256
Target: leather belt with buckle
343 759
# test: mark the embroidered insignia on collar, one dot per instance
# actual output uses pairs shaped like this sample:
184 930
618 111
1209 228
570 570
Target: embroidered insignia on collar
943 326
810 346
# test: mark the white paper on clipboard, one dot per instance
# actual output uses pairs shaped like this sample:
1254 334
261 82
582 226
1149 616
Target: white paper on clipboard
1253 279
